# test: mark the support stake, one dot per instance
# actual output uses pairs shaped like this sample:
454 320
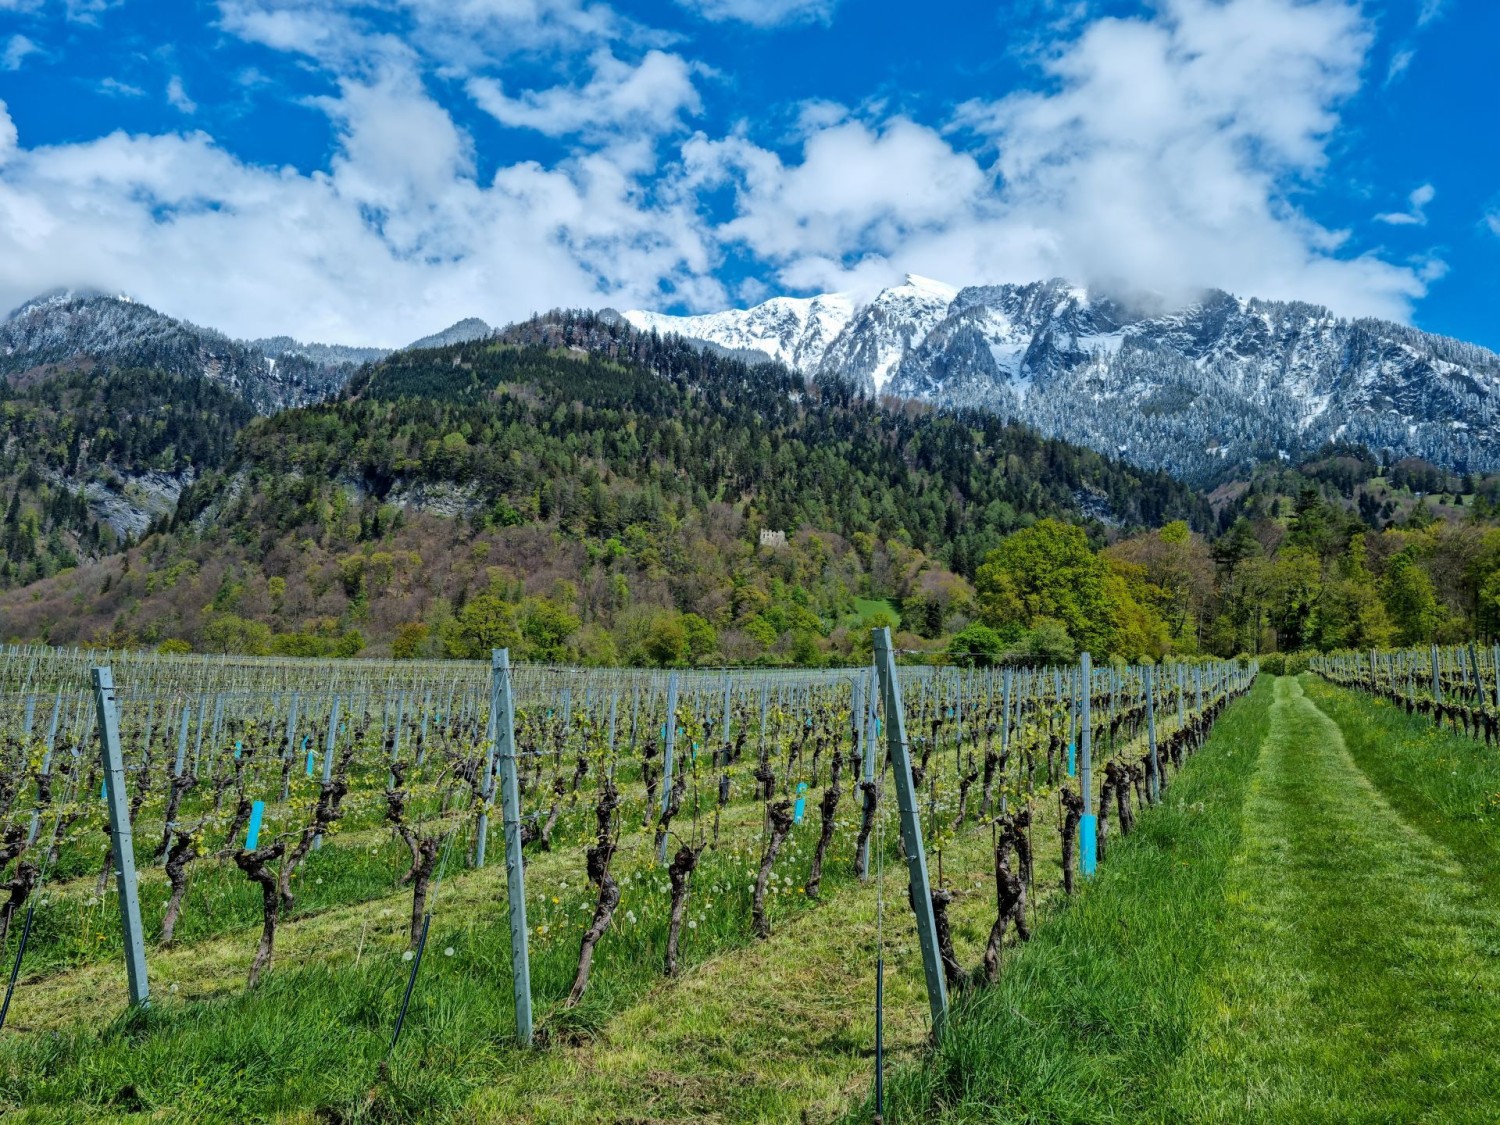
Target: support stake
503 713
120 836
911 831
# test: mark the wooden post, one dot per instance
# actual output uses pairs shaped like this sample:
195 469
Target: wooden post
120 835
911 831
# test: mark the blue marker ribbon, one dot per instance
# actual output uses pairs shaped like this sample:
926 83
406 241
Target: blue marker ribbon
1072 760
800 809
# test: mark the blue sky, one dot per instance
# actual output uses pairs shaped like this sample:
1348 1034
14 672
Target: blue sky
370 172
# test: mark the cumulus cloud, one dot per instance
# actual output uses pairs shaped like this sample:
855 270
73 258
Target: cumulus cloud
7 133
1417 214
396 239
1165 152
857 187
764 13
650 96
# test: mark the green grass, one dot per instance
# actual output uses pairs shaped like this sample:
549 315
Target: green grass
1363 977
308 1043
867 607
1103 999
1444 783
1284 942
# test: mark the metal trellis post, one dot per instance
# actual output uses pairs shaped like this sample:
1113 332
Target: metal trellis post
120 835
503 718
911 831
1088 826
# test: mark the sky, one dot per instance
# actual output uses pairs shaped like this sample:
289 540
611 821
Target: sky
369 172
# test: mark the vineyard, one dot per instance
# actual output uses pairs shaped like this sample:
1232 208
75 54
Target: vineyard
429 861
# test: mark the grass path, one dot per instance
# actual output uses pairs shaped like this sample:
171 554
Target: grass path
1325 949
1362 981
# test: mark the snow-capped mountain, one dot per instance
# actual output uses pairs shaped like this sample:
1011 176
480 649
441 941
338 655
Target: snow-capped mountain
1201 390
70 329
880 335
470 328
795 330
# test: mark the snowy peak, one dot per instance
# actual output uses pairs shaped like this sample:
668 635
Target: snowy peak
869 349
833 332
72 328
69 328
794 330
470 328
1203 389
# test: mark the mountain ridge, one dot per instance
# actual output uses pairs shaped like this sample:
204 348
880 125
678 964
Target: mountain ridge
1205 390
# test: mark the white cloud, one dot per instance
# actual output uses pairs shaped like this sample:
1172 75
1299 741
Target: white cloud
764 13
120 89
1491 217
1400 63
1417 215
857 188
649 97
7 133
177 96
1169 152
396 239
1429 11
16 50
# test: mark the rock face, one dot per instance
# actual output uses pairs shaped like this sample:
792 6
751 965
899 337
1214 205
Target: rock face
1202 391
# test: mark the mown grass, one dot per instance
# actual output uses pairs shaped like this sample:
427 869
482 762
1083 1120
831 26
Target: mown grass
1442 782
1104 998
1281 943
309 1042
1362 978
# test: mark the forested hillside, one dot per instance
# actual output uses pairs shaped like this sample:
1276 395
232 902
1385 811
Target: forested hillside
601 493
87 457
578 490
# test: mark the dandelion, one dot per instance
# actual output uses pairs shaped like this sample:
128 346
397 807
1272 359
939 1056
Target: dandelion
408 955
692 925
448 952
630 916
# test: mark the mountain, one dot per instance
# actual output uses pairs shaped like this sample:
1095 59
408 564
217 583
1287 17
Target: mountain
68 330
470 328
796 331
1206 391
590 473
